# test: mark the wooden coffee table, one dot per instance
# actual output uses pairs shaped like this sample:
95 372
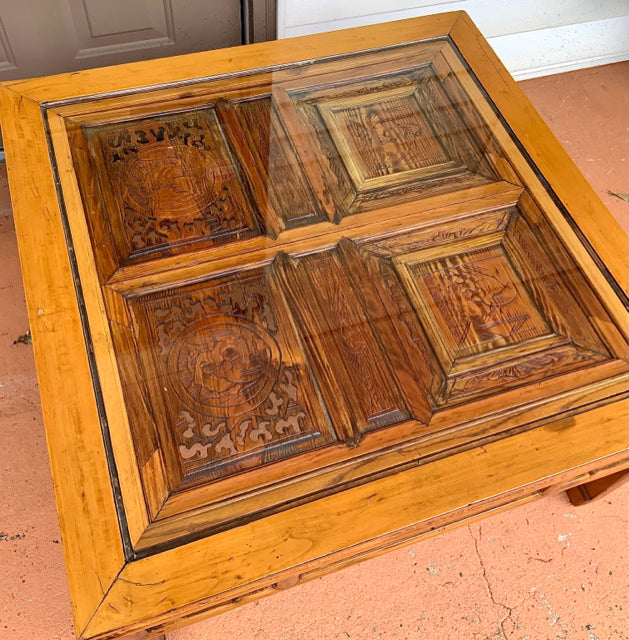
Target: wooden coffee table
297 303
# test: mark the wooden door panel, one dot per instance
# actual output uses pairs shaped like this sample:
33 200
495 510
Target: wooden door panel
287 298
295 292
226 378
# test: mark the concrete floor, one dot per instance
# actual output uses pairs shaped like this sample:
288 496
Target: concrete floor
545 570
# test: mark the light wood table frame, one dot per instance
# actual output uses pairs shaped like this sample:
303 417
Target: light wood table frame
120 582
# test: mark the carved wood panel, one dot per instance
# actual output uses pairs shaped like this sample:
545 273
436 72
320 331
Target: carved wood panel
310 270
245 369
170 182
389 139
489 305
275 153
227 381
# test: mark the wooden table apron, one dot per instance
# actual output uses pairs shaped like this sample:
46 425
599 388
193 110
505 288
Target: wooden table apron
149 545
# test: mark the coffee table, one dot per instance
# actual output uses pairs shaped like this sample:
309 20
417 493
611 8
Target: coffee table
297 303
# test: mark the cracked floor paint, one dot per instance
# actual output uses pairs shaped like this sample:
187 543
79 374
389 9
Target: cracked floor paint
543 571
507 619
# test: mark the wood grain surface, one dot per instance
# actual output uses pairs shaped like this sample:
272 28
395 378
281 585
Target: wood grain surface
294 314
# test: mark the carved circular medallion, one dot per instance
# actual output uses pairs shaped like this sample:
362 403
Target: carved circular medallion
225 365
170 180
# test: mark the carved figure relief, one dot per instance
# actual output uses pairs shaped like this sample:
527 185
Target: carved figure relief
383 134
390 136
224 363
277 420
170 180
388 139
480 301
484 304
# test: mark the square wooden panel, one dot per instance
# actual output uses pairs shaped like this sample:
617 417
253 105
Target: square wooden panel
478 301
384 137
168 183
226 379
330 297
496 310
390 138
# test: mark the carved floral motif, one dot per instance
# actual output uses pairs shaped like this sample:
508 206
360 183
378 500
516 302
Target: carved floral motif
238 392
173 181
278 418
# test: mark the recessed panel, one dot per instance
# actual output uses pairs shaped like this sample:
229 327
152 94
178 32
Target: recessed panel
382 135
476 302
269 159
399 136
116 26
489 308
7 61
170 183
226 379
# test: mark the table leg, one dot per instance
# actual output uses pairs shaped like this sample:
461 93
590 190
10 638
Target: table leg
589 490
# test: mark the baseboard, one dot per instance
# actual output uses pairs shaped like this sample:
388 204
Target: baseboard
527 54
574 65
547 51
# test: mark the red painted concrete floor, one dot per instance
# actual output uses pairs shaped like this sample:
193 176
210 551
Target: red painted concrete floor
545 570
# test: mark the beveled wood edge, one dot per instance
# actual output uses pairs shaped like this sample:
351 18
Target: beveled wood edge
584 205
185 515
102 544
129 479
244 58
282 582
157 589
467 515
90 534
